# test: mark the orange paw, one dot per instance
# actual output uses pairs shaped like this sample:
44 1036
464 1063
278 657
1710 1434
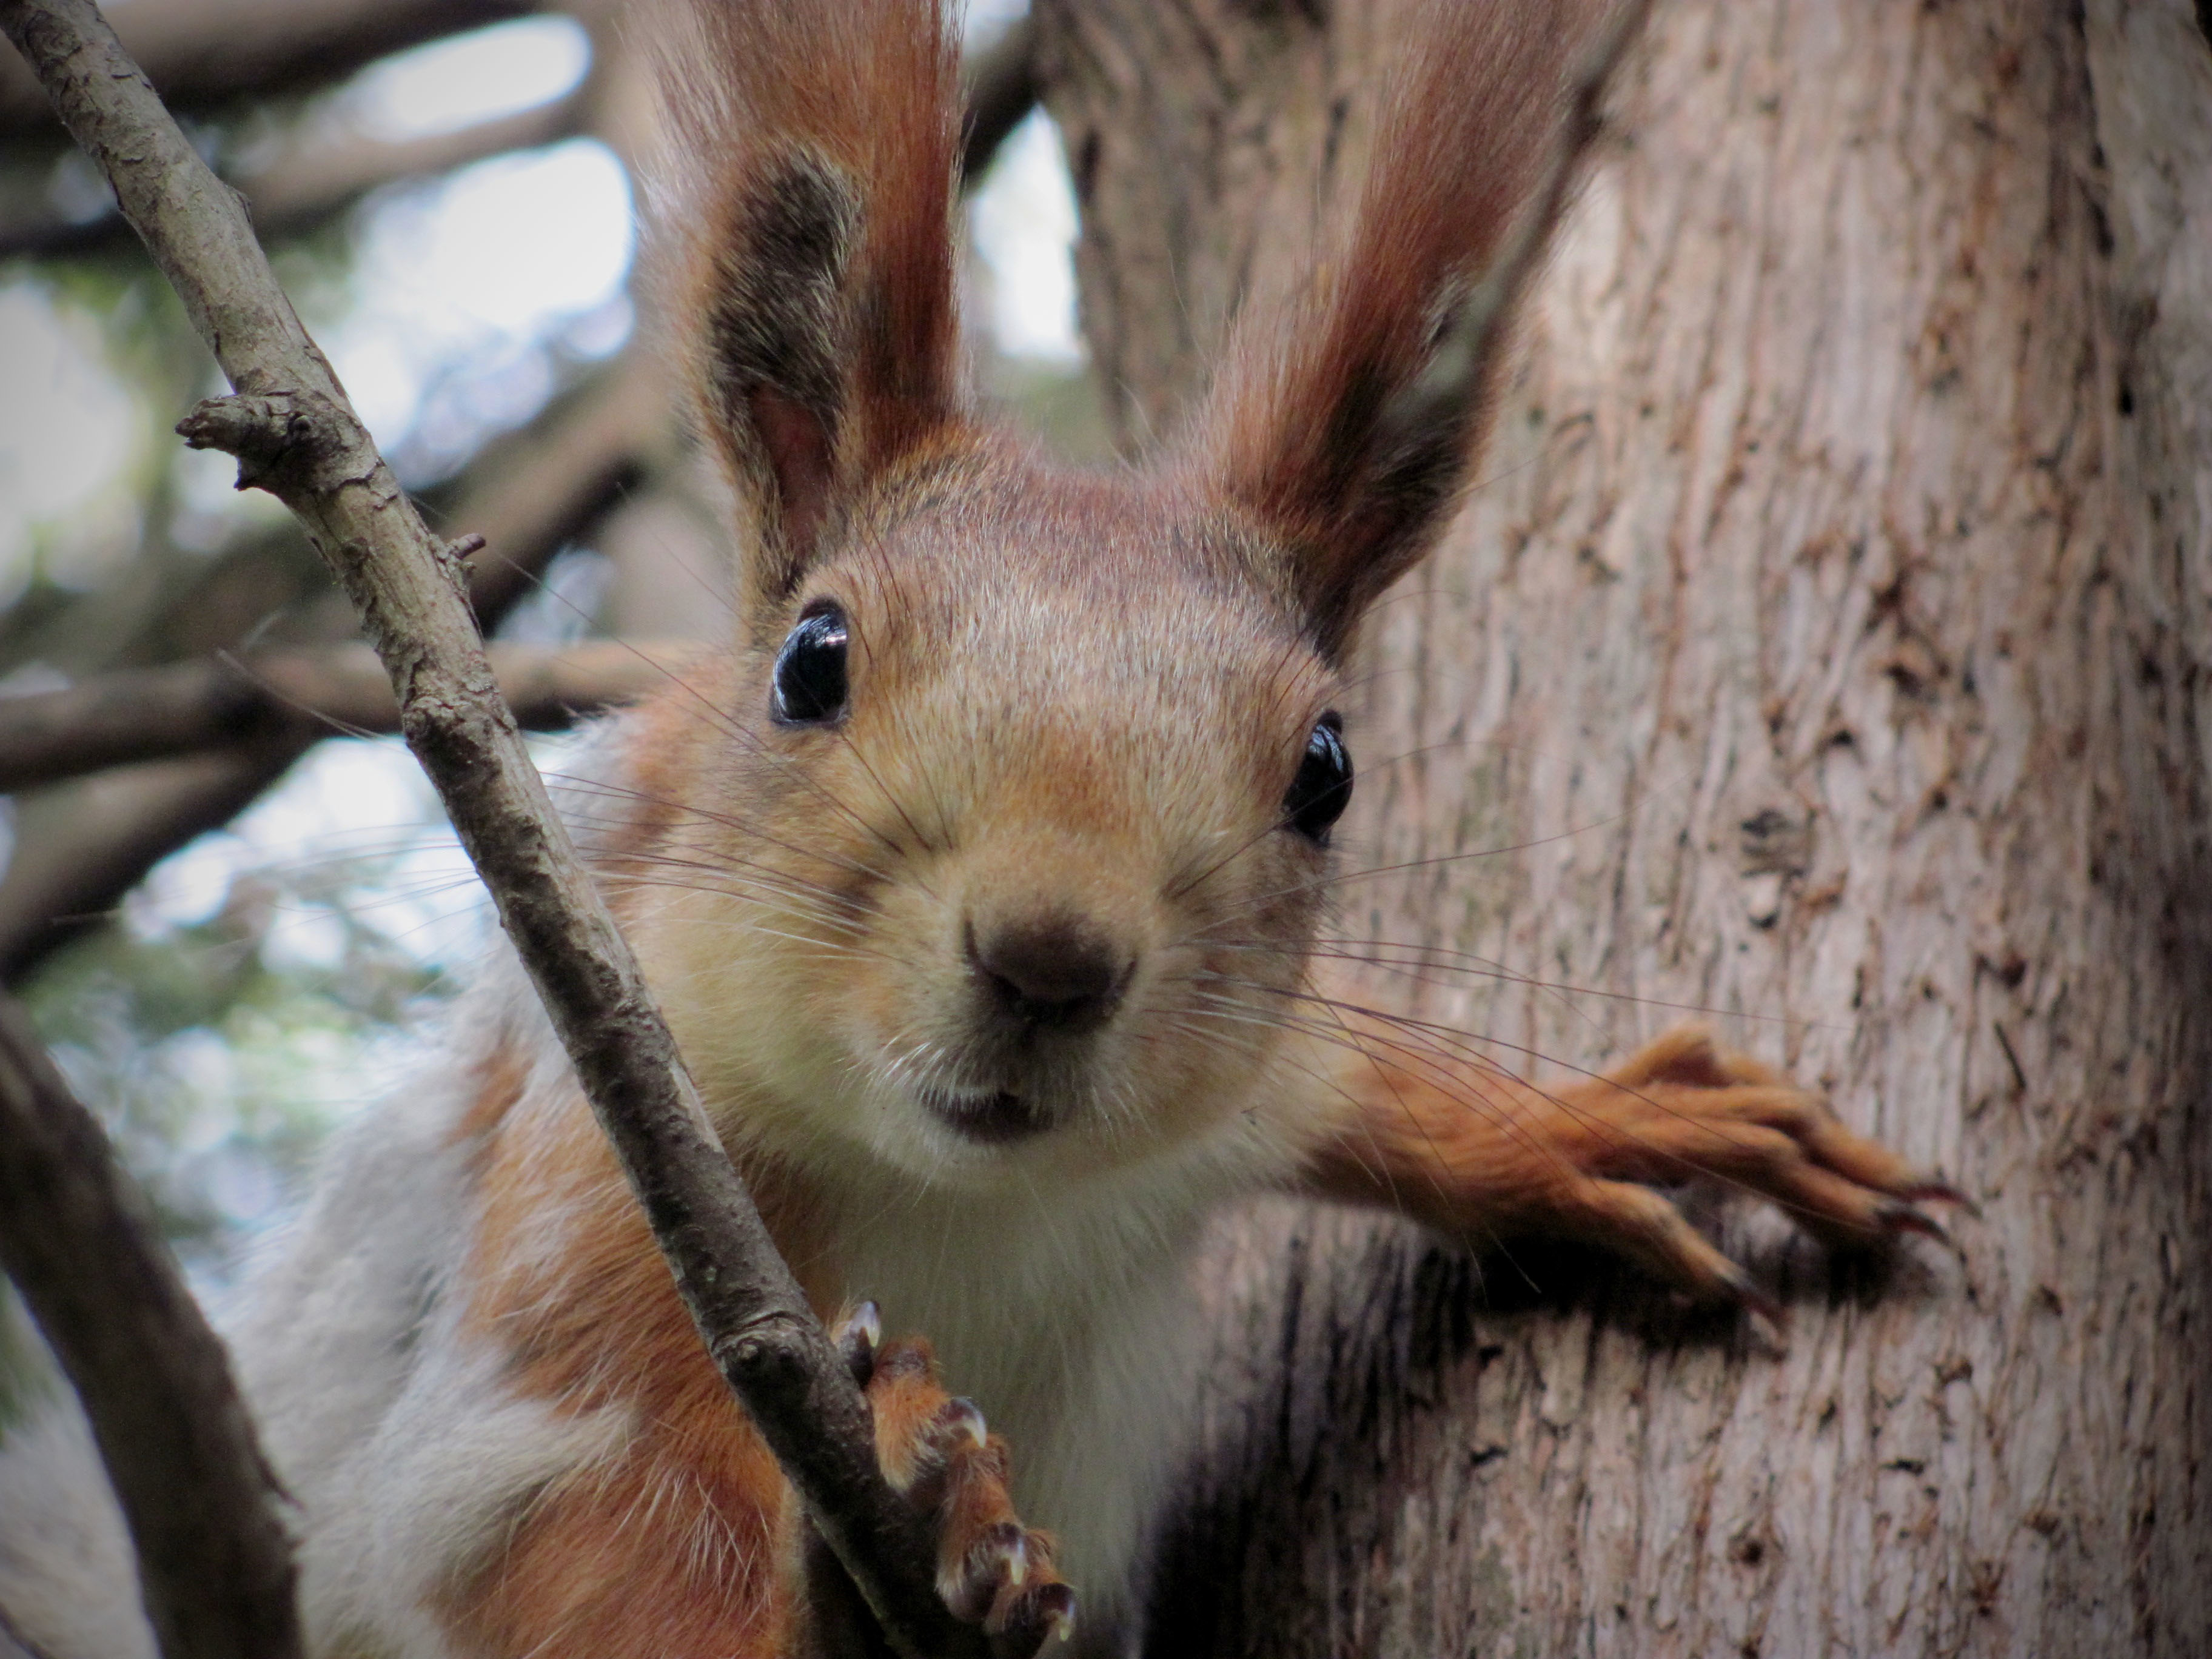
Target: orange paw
1681 1106
938 1454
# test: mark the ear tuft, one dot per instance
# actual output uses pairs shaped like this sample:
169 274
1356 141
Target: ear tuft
772 350
1347 422
812 203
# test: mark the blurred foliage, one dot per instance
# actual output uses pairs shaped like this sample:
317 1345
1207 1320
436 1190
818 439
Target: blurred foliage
218 1058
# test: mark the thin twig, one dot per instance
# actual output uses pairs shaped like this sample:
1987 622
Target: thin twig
77 1240
294 434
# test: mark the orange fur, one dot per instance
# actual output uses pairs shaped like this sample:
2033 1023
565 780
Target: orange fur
1472 1149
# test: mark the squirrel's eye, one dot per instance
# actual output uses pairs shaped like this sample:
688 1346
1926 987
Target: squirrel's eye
810 670
1322 789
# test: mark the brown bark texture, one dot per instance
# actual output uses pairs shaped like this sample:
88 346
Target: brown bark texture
1826 648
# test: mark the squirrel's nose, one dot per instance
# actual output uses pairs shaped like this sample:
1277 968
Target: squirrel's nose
1055 971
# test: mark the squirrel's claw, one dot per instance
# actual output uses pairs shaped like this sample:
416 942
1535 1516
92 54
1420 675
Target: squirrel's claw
938 1453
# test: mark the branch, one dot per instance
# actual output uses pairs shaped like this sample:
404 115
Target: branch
57 887
76 1239
294 434
206 52
304 189
189 707
530 502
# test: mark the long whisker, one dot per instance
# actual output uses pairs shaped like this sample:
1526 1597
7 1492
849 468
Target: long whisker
1343 1036
1430 1058
1366 953
1443 1038
738 826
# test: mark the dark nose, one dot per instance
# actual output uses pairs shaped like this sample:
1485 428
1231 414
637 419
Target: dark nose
1059 972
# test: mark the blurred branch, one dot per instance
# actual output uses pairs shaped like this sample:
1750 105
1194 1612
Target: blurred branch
187 708
75 1237
294 434
1002 89
307 187
202 53
527 505
530 499
125 822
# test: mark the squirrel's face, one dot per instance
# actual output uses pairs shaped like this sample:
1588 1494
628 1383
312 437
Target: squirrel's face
1009 846
1009 843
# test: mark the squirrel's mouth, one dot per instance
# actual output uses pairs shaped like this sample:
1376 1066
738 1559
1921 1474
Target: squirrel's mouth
994 1117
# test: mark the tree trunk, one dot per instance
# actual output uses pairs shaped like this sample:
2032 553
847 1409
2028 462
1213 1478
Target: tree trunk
1828 648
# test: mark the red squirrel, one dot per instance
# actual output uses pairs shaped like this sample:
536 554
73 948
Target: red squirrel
979 880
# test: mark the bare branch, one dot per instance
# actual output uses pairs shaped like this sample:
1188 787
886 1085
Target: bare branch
206 52
186 708
76 1239
294 434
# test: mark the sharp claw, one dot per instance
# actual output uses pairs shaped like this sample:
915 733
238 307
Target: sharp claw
1900 1218
859 1338
956 1413
998 1559
1934 1188
1024 1624
1754 1296
1058 1602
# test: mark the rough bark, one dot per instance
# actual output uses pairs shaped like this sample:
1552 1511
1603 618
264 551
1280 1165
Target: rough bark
1829 644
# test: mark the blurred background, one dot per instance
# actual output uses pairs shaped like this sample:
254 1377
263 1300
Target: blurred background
219 909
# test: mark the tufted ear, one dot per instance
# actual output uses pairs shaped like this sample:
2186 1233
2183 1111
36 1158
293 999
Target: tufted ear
812 197
1346 421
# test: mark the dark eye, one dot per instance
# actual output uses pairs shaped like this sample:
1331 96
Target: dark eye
810 670
1322 789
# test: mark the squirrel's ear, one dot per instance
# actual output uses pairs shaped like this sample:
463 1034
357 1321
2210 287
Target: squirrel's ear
812 199
1345 422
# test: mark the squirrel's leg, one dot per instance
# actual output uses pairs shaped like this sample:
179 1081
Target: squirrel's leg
1432 1129
937 1453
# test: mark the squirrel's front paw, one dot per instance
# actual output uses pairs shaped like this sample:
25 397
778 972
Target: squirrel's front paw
1680 1106
938 1454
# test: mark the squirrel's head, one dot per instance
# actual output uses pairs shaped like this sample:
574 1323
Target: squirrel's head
1003 842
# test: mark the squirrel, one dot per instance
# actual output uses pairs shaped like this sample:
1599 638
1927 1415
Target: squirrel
978 879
